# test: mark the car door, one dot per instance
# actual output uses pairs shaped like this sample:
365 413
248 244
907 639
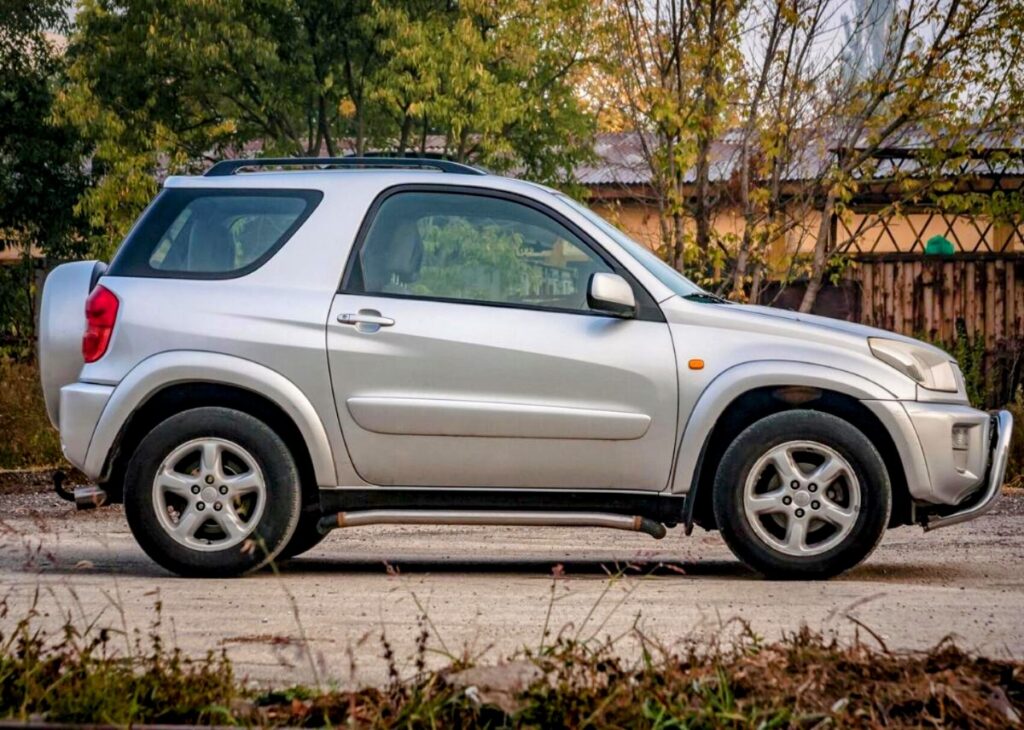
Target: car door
463 352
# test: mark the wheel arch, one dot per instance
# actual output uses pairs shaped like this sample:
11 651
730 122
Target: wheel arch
171 382
726 408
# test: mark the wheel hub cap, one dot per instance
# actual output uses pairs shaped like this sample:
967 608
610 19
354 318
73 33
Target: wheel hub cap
209 494
802 498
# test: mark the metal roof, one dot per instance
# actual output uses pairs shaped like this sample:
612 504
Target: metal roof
621 159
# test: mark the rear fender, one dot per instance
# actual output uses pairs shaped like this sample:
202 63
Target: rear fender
734 382
186 366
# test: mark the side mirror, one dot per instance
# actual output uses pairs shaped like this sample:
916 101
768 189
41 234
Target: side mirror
612 294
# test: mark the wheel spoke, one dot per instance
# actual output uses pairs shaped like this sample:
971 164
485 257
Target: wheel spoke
189 522
243 484
796 535
767 503
828 472
211 459
782 459
838 516
229 521
176 483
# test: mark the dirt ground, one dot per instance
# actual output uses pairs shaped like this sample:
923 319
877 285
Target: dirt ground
489 591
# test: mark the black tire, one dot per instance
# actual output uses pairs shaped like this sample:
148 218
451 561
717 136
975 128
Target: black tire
809 426
306 535
273 529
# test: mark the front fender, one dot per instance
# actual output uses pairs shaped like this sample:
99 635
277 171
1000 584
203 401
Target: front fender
181 366
737 380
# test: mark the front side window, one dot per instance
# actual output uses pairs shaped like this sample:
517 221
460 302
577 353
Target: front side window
212 233
473 248
664 273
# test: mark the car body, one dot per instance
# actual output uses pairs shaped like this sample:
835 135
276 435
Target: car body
568 378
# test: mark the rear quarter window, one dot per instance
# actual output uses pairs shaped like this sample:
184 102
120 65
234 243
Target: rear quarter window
204 233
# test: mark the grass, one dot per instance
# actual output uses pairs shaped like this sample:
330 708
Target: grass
28 439
90 675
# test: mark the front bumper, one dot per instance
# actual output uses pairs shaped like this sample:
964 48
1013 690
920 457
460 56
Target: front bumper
981 501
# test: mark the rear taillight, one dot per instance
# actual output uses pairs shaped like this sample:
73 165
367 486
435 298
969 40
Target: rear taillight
100 315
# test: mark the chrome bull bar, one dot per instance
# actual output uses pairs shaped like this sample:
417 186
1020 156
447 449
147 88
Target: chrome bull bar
993 484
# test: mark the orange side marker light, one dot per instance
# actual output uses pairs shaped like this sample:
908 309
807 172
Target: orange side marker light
696 364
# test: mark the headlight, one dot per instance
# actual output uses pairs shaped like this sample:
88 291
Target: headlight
933 370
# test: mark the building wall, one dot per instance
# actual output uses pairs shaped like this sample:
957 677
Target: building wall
862 232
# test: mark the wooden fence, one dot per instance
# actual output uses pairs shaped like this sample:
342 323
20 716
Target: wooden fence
926 296
943 299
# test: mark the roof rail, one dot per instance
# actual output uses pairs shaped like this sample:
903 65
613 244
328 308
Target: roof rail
225 168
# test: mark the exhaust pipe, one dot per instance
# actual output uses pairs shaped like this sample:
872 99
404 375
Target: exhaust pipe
90 497
359 518
87 497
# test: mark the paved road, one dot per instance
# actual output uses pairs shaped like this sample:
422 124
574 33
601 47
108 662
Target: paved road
487 591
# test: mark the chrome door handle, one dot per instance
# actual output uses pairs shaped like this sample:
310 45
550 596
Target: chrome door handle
361 318
370 317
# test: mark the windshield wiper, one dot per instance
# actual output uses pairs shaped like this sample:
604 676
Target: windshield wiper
703 296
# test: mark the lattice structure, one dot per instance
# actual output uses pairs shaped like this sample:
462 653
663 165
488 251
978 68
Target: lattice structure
881 220
873 232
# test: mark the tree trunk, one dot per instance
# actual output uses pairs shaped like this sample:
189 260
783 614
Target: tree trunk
324 130
822 249
701 208
403 138
677 241
756 282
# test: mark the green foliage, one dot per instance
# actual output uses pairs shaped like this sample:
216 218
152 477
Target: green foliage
85 676
17 310
81 676
162 85
41 172
1015 464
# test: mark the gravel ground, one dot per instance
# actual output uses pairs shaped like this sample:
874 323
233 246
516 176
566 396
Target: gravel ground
488 591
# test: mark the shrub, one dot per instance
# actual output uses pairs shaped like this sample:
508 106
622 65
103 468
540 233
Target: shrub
803 680
27 438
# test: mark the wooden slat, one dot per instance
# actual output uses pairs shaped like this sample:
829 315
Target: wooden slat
990 300
927 303
1010 328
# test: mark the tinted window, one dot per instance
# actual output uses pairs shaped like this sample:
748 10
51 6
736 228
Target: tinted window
473 248
212 233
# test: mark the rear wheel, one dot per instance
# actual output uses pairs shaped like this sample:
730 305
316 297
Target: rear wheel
212 492
306 536
802 494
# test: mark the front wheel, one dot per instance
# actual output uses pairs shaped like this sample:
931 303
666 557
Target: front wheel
212 492
802 494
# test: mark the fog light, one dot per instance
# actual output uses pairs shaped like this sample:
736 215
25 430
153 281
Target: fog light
960 437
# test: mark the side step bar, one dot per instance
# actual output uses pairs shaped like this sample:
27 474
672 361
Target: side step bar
359 518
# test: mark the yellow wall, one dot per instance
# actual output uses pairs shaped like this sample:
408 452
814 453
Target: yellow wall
640 221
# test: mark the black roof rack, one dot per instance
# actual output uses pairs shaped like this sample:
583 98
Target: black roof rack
230 167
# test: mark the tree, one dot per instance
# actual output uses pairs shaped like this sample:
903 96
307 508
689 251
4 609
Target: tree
674 62
172 84
41 162
949 73
809 109
41 170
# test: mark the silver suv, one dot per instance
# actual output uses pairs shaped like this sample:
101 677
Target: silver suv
273 354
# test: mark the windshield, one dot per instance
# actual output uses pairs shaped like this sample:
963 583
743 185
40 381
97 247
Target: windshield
668 276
